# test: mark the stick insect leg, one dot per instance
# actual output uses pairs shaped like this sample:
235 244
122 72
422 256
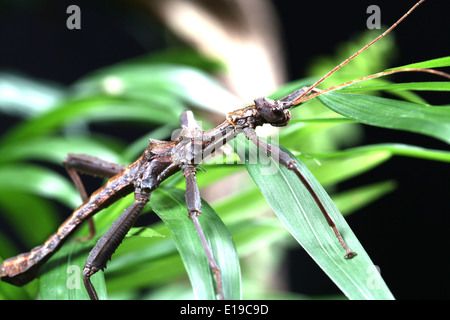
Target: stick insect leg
194 206
290 164
108 243
93 166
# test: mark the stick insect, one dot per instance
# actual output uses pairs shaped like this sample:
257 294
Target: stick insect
162 159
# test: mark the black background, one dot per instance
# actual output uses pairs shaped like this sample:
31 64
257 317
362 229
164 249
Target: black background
405 233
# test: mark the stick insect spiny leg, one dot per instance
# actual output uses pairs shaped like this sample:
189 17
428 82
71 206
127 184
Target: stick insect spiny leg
290 164
108 243
93 166
194 206
24 267
193 200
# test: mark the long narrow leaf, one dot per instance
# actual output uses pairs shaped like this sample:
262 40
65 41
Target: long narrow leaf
56 149
387 113
398 149
352 200
61 277
357 277
40 181
170 206
96 108
334 167
422 86
186 83
434 63
30 216
330 171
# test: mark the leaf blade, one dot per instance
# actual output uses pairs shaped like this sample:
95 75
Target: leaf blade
422 86
393 114
433 63
61 276
170 206
301 216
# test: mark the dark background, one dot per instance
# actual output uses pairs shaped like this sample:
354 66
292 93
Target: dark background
405 233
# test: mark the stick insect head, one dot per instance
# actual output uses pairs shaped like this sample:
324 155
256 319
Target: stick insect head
272 112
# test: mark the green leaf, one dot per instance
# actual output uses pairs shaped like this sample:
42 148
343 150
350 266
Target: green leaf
186 83
288 197
352 200
23 96
143 232
334 167
56 149
331 170
40 181
91 109
434 63
62 276
323 120
387 113
398 149
31 217
423 86
170 206
180 56
256 234
10 292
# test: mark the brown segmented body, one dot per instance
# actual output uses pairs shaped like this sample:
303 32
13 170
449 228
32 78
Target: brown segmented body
160 160
23 268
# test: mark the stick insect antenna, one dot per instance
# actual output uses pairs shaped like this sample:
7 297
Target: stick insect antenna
311 88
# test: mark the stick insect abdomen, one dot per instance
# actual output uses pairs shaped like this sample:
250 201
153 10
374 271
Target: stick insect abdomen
25 267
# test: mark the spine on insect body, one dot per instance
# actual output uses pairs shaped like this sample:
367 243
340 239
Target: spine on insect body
21 269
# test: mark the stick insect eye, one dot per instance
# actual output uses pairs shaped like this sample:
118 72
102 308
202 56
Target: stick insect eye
277 111
270 111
